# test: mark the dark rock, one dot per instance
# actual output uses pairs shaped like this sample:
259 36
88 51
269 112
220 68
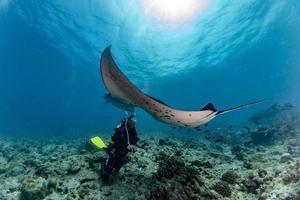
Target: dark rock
174 190
277 172
52 183
84 180
206 164
209 164
247 164
159 193
267 179
175 180
32 163
107 193
33 189
286 158
73 169
251 185
230 177
291 177
222 188
178 153
170 167
60 189
293 196
197 163
93 161
73 196
162 142
42 171
262 173
240 156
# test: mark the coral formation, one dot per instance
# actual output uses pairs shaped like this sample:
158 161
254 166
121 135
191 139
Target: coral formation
230 177
182 180
222 188
286 157
251 184
165 168
33 189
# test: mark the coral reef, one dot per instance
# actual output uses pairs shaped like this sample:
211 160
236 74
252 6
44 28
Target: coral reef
241 167
176 180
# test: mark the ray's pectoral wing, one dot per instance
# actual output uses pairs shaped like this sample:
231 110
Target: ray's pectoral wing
125 94
115 81
118 85
158 100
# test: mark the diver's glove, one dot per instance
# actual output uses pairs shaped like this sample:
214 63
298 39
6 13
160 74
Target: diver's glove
131 148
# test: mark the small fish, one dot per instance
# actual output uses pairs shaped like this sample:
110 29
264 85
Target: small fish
248 143
218 140
206 131
230 126
247 128
256 122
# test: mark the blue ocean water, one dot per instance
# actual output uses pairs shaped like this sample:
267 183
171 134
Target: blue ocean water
229 54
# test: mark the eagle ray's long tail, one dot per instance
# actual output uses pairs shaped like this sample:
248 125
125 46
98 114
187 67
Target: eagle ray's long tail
241 106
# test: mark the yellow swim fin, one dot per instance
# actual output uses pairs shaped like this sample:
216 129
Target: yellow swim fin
98 142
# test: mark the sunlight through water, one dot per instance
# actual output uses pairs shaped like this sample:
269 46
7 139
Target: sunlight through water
174 10
155 38
3 4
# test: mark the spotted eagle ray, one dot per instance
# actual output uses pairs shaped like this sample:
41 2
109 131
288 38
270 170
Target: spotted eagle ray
123 93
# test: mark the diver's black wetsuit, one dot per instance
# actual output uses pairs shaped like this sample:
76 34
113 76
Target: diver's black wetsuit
117 150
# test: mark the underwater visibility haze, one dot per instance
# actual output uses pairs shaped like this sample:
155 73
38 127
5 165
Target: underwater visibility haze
226 53
176 54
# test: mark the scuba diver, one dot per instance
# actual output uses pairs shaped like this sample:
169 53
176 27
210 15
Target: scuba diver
124 140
